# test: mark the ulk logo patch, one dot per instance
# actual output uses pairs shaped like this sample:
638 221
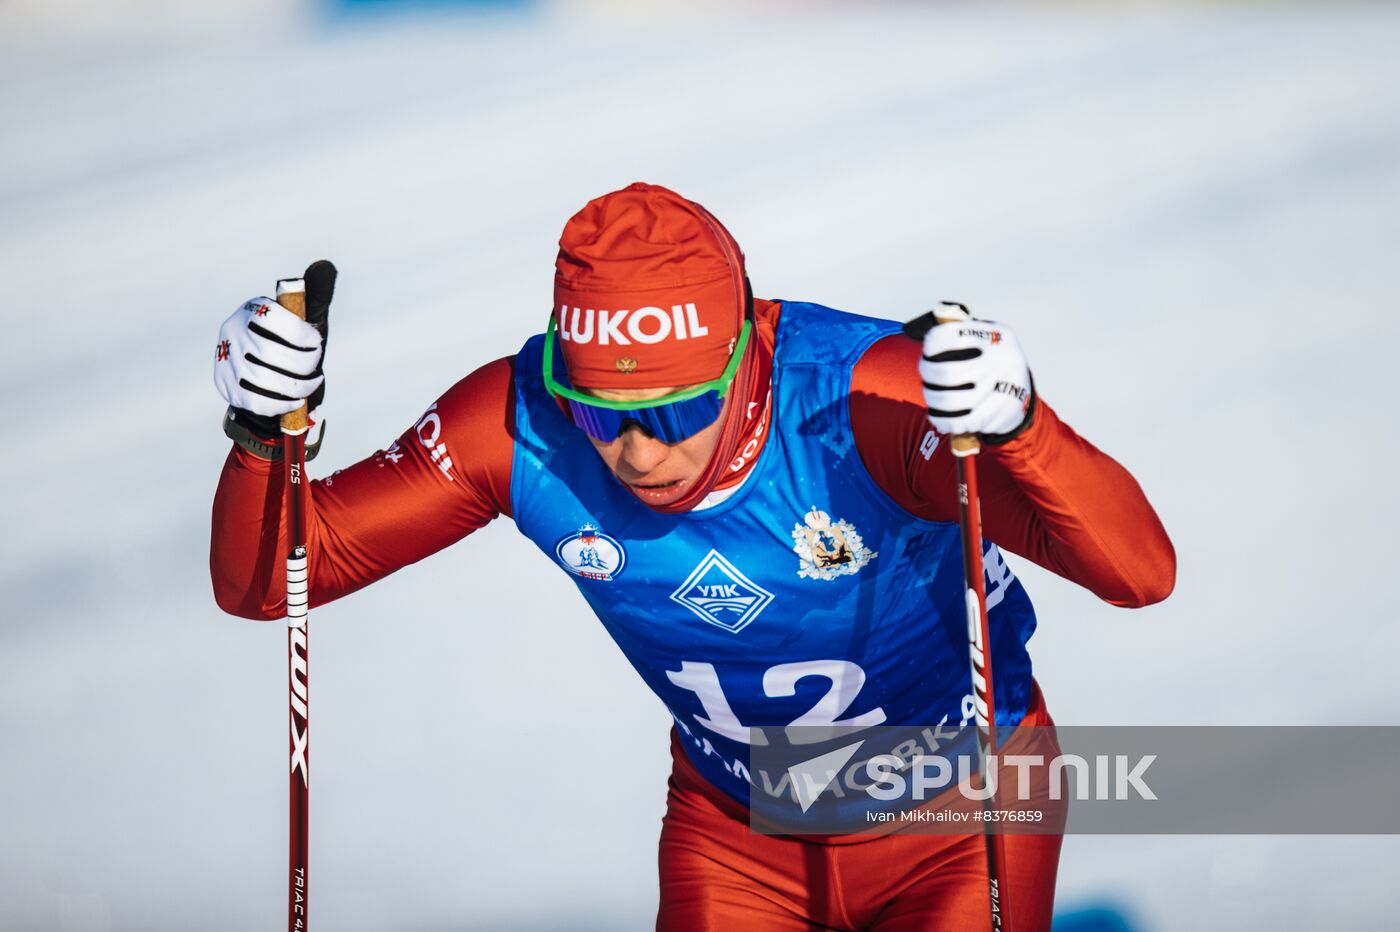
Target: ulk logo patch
721 595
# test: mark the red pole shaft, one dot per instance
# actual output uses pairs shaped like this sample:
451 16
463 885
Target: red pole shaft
979 647
298 692
291 295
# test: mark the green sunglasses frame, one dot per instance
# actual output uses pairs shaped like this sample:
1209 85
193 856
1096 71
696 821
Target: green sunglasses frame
720 385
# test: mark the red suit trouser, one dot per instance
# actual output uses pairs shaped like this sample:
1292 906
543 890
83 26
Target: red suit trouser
719 876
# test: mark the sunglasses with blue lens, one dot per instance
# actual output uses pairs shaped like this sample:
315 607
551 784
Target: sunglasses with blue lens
670 418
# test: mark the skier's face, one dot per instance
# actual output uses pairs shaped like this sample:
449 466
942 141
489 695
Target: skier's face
658 473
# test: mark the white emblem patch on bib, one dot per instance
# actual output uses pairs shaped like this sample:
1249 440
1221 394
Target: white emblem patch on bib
827 549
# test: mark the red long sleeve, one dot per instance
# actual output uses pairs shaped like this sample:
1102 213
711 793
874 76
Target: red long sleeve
1048 495
447 476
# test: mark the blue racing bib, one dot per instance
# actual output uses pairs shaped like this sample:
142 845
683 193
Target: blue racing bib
808 597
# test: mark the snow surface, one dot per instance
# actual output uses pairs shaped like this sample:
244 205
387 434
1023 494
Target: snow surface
1189 215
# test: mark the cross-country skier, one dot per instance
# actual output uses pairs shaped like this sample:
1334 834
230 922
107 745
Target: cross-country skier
758 501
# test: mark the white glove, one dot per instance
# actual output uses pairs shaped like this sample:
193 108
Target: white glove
267 360
976 380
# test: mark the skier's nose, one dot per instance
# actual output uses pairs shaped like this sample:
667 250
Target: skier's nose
642 452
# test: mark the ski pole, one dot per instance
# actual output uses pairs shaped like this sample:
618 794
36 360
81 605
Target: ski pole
965 448
291 294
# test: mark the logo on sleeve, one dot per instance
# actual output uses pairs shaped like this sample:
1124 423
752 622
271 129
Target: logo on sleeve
721 595
429 431
591 554
928 444
826 550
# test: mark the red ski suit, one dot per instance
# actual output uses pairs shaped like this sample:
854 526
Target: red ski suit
1047 495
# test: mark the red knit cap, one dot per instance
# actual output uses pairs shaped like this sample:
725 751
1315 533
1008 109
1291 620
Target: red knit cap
648 291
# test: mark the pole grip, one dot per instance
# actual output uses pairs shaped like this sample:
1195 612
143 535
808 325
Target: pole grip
291 294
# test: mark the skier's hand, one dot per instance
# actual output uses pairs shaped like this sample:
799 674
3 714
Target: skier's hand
268 361
976 380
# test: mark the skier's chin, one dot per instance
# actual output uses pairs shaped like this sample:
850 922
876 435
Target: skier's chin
660 493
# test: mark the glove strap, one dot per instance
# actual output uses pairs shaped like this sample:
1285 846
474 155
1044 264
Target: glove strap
260 447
